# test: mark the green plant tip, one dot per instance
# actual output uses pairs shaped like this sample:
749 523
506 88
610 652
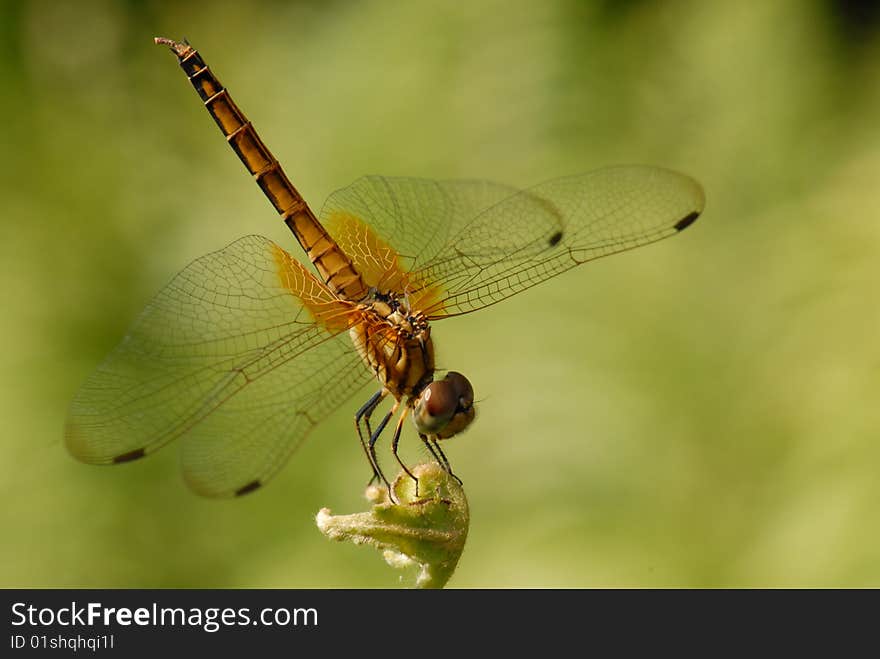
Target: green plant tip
428 530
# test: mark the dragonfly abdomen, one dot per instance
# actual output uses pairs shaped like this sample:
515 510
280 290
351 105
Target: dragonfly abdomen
335 268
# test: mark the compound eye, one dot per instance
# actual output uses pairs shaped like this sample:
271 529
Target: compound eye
435 407
445 407
463 389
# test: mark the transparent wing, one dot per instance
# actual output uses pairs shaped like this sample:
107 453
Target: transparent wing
415 218
476 243
242 353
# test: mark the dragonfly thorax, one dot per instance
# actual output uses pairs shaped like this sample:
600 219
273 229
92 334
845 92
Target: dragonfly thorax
393 308
395 344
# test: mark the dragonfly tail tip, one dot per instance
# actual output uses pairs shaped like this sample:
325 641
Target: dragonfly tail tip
178 48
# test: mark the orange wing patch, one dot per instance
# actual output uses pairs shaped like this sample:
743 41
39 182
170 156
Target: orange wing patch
324 307
378 262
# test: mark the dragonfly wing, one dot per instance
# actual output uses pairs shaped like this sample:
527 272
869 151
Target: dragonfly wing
543 231
399 224
244 442
224 355
467 244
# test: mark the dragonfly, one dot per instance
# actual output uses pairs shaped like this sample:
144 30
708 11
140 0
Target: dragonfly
247 350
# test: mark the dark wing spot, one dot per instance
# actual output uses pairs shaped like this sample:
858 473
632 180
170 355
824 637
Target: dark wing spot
247 489
128 457
554 239
686 221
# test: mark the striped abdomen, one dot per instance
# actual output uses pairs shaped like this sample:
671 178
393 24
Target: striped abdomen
334 266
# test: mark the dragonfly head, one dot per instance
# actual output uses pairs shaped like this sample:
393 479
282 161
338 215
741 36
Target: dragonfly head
445 407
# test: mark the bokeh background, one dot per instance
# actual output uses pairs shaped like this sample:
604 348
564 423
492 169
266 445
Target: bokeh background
701 412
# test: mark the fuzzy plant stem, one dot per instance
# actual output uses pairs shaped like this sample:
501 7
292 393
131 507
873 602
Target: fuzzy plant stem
428 530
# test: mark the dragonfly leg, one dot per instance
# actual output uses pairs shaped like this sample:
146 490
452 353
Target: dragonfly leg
364 413
372 446
395 440
434 447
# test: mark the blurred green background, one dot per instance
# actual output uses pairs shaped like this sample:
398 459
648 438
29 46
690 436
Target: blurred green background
702 412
